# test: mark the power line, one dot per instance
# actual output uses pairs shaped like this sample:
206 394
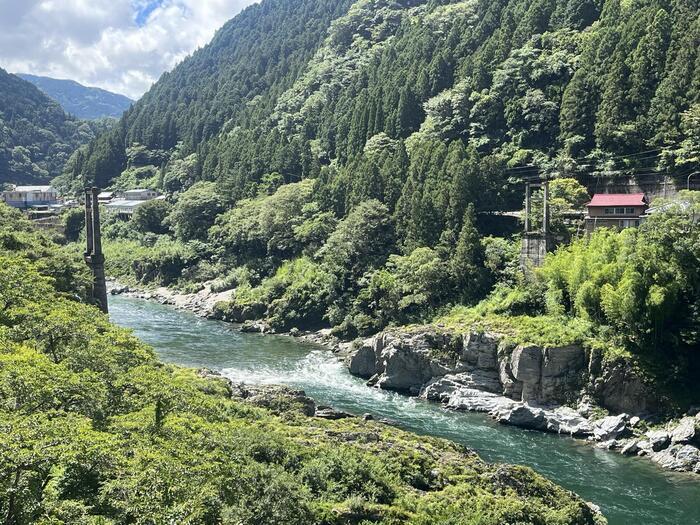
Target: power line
603 159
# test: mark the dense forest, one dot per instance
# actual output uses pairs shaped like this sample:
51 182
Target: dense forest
95 430
343 164
84 102
36 136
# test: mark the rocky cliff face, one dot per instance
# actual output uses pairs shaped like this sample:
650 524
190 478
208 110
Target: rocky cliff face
434 363
528 386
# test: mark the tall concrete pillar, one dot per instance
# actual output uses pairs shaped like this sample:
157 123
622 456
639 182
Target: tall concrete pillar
94 256
528 206
545 206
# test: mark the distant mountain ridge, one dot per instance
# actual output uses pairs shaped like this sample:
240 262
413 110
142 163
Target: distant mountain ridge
89 103
36 135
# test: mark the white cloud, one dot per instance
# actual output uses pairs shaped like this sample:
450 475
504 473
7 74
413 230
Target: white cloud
106 43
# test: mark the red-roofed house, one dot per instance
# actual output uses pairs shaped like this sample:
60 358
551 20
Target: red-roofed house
615 210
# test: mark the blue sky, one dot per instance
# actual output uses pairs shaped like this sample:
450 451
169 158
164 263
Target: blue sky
120 45
145 9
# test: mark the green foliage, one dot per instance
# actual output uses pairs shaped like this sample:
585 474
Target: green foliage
163 262
150 217
93 429
335 157
195 210
362 241
73 223
406 290
278 225
63 265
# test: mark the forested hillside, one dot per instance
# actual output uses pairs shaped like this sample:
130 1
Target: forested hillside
36 136
84 102
573 86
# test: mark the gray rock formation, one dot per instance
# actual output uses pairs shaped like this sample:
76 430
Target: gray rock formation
681 458
611 427
658 440
278 398
630 448
526 386
686 432
617 387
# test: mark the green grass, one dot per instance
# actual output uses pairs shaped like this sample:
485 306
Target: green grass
545 331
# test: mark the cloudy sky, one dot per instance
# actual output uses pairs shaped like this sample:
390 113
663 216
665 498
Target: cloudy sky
119 45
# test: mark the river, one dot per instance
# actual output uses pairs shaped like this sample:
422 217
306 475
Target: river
630 491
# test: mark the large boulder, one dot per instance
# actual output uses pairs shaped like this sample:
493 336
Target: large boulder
611 427
363 361
440 388
523 416
681 458
686 432
630 448
473 400
658 440
407 368
406 362
565 420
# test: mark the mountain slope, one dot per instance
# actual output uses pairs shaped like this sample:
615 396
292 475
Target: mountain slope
36 136
84 102
568 86
236 78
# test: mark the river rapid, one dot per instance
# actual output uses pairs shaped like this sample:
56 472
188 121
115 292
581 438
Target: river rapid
630 491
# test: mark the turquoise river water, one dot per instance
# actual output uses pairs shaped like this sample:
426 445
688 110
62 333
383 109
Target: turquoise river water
630 491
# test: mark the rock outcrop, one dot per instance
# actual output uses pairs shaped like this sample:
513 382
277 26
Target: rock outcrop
528 386
434 363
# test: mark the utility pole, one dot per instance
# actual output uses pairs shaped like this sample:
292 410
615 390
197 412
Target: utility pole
536 242
545 206
94 257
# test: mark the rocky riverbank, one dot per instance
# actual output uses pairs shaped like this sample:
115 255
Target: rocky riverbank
201 303
562 390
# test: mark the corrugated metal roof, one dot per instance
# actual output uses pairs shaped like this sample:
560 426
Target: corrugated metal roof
123 203
618 199
32 189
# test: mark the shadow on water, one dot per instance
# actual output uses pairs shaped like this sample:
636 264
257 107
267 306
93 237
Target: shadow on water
629 490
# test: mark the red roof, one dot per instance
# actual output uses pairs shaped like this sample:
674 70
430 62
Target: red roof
618 199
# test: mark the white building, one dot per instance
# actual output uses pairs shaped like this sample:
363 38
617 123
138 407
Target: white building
140 195
26 197
105 197
130 200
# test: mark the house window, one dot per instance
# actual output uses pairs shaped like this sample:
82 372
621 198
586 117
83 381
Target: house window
629 211
619 211
609 211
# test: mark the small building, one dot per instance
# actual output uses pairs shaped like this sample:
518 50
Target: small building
105 197
140 195
27 197
615 210
130 200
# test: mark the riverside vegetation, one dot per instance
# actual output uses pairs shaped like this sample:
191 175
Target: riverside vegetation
337 164
96 430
